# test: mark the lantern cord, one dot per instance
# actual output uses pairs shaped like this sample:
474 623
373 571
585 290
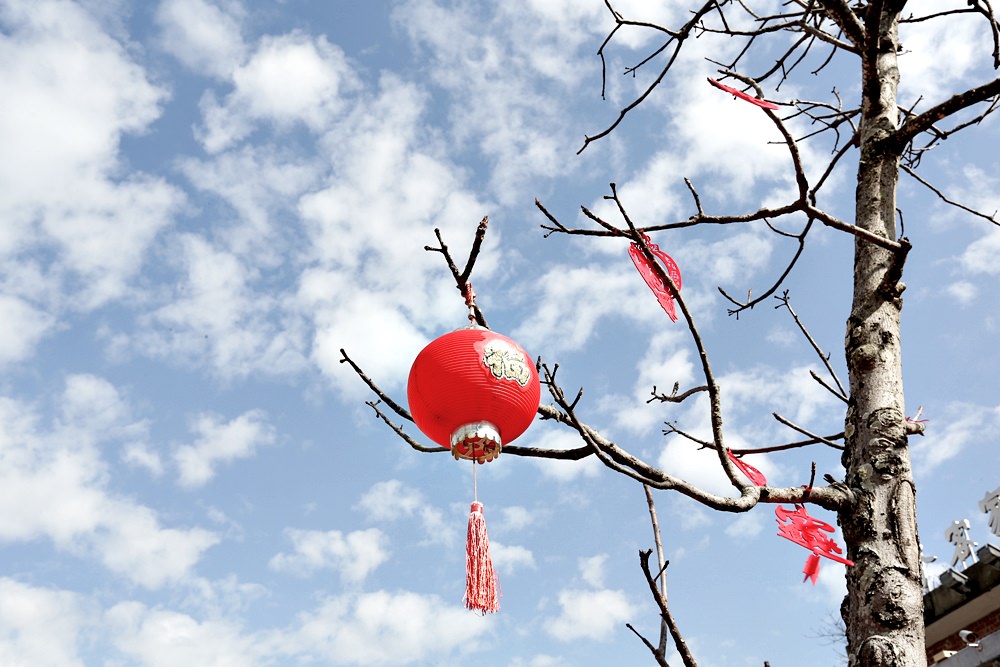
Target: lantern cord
470 301
475 490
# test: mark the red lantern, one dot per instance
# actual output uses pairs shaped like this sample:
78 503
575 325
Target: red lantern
472 390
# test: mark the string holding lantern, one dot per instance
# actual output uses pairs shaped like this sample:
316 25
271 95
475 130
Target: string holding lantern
472 391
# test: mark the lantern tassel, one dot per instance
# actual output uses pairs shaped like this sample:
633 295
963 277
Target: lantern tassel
482 591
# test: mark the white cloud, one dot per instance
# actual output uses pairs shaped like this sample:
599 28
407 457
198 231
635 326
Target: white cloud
833 581
491 59
746 526
355 555
132 543
367 268
53 483
699 467
791 392
347 325
262 185
289 79
22 326
592 569
137 454
220 442
392 500
516 517
587 614
980 256
369 629
164 638
71 93
41 626
540 660
690 515
783 336
939 54
667 360
383 628
960 425
506 558
962 291
217 315
590 613
740 151
203 35
546 436
572 300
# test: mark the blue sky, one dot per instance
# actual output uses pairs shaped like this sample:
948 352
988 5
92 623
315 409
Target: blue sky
204 200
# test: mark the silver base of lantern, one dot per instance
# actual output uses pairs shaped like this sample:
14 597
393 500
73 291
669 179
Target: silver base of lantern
478 441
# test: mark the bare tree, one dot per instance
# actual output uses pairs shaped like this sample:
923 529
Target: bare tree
875 502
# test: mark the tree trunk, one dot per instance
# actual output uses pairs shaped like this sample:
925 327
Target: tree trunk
883 609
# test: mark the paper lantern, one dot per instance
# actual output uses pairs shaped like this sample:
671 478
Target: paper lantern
473 390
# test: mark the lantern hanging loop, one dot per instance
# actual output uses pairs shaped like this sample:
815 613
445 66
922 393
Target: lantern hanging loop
470 301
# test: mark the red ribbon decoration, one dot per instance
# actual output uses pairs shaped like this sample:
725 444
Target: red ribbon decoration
754 475
645 268
763 104
804 530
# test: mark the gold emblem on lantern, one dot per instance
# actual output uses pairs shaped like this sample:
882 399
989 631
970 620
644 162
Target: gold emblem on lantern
506 362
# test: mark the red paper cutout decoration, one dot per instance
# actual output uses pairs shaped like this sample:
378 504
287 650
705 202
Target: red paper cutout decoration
804 530
754 475
645 268
764 104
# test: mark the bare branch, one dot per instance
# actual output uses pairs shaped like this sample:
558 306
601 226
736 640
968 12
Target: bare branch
673 396
462 277
662 564
824 357
823 383
789 445
844 16
676 38
402 434
992 218
679 643
898 140
383 397
477 245
614 457
658 655
803 431
750 303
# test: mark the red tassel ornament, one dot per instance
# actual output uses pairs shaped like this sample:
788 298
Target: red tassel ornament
482 590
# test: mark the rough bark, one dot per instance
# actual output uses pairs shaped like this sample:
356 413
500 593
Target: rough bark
884 604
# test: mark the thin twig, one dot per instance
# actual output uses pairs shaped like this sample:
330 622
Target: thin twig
384 397
668 618
796 427
786 303
661 562
941 195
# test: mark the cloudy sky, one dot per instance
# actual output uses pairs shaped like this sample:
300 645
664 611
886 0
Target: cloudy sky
203 201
